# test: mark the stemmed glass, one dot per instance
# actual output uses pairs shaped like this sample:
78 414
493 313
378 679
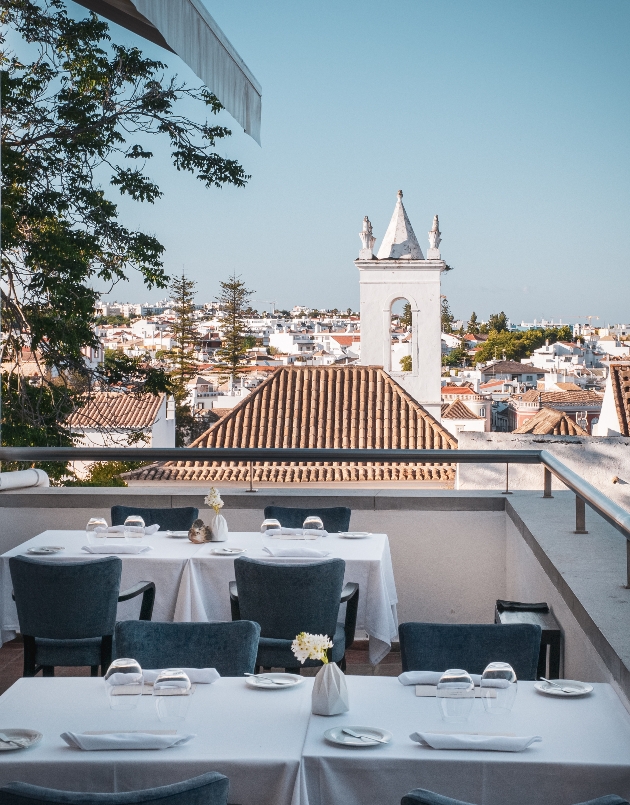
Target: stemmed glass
134 527
96 529
171 694
313 523
123 682
455 695
500 679
269 523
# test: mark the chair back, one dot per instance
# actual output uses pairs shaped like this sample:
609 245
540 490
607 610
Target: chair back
66 600
168 519
287 599
231 648
334 518
438 646
420 796
210 788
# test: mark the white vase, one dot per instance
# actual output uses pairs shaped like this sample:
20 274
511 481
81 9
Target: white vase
219 529
330 692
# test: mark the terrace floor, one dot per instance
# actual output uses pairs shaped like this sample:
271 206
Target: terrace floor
11 660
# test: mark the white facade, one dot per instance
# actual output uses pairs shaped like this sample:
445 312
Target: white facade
401 272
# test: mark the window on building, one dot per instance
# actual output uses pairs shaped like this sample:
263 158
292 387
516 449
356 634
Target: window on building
482 412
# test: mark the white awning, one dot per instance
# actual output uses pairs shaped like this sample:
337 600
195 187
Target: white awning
186 28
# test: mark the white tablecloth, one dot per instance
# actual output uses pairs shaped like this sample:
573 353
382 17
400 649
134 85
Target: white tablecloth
254 737
585 751
192 582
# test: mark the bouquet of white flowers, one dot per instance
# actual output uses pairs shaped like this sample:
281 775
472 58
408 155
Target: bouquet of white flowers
311 647
213 499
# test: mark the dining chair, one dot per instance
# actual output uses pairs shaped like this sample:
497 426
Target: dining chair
67 610
210 788
438 646
168 519
420 796
334 518
229 647
286 599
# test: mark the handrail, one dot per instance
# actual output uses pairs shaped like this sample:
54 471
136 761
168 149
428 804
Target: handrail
585 492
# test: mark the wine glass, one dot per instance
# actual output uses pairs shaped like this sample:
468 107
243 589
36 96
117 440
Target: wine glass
123 682
499 687
312 523
269 523
134 527
95 530
171 694
455 695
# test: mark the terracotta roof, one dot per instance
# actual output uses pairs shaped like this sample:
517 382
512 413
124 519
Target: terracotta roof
512 368
558 398
347 340
458 390
550 421
458 410
116 409
620 378
569 387
318 406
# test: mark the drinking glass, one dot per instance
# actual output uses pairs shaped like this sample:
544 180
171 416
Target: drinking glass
134 527
455 695
269 523
96 530
171 693
313 524
123 682
500 680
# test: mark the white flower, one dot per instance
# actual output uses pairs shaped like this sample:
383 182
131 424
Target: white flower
311 647
213 499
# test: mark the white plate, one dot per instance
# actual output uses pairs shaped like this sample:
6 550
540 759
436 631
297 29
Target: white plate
582 688
354 534
336 736
177 534
32 736
228 551
43 550
290 680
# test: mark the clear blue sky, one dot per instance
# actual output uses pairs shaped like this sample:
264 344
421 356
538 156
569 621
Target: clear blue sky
509 119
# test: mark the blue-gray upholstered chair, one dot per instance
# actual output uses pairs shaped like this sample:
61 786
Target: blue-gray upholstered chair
210 788
286 599
168 519
420 796
438 646
231 648
67 610
334 518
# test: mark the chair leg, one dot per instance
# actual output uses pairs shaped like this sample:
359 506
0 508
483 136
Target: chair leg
29 656
342 663
48 670
93 670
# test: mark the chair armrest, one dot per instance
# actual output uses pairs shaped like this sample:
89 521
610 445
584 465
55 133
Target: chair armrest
350 596
147 590
234 605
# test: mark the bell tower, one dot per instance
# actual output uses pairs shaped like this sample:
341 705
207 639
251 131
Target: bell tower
400 271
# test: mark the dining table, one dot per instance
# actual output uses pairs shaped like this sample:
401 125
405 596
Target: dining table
192 580
274 750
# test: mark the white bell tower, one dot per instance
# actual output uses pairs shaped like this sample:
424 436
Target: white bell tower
399 271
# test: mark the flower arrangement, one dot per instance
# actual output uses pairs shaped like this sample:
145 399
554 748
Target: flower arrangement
213 499
311 647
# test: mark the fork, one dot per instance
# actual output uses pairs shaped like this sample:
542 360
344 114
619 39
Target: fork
15 741
281 682
560 687
364 737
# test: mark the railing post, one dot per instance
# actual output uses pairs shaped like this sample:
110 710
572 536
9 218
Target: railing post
580 516
506 491
547 490
627 563
251 478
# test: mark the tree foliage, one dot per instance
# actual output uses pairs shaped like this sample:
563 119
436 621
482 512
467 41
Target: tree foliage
234 300
77 110
473 324
446 316
517 345
498 322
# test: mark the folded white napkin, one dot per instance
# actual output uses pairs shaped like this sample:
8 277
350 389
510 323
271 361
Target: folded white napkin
429 678
121 548
124 740
296 551
495 743
201 676
296 532
120 529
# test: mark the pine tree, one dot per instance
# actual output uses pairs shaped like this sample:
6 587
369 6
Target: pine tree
473 324
181 355
234 301
446 316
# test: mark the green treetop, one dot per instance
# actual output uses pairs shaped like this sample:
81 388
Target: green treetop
234 300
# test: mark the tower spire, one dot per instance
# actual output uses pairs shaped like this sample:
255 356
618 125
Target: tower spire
400 242
435 238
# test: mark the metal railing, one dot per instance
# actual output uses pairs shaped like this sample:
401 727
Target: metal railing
585 493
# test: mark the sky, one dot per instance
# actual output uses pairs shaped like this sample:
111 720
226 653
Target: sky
508 119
